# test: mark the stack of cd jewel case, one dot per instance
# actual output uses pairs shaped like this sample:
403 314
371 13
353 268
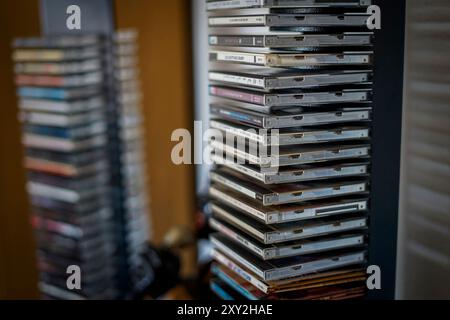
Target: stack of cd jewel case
290 92
132 158
66 95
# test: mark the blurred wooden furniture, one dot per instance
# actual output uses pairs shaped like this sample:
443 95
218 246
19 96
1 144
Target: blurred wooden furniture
18 275
166 66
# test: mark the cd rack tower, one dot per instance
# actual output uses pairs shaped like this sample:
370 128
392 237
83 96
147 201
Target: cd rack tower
79 102
305 101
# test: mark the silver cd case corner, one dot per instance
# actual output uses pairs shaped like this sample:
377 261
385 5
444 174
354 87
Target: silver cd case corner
218 5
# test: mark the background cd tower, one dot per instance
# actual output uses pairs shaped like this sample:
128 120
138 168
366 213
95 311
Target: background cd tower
300 77
127 152
79 98
63 111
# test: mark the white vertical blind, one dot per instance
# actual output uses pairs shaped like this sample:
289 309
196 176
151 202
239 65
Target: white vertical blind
424 235
201 95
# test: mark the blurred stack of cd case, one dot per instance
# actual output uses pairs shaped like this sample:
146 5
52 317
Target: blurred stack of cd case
79 108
